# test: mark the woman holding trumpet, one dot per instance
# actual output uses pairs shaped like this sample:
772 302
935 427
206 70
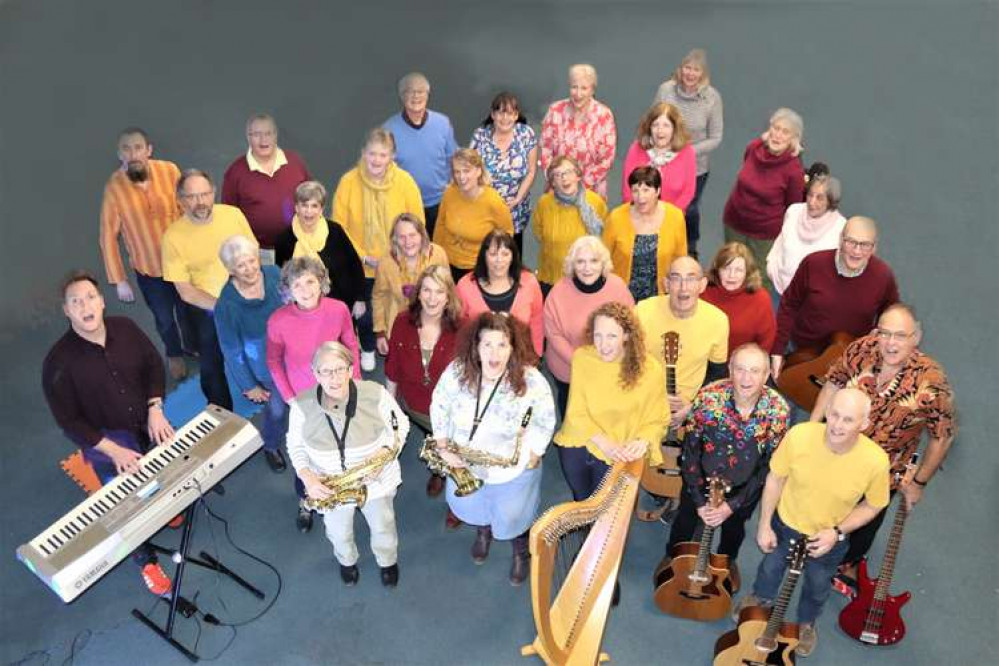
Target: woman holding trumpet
351 429
493 415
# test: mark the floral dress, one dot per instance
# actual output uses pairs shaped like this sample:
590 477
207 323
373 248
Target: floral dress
508 170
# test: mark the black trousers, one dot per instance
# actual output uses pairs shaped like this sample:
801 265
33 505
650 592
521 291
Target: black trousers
430 215
862 539
582 470
687 522
212 366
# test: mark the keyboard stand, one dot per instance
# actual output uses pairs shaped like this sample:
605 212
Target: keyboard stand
178 603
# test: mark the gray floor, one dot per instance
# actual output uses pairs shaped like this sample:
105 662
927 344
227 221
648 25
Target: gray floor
900 98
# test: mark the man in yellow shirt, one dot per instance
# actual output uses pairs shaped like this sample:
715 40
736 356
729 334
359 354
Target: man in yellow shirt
702 327
825 481
191 261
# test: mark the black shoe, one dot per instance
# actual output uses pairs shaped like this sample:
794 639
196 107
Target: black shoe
616 597
276 461
480 548
304 519
349 575
390 575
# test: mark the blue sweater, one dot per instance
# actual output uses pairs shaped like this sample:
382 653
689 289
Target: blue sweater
242 329
425 152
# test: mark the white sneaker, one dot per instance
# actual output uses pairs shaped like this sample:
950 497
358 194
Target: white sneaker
367 361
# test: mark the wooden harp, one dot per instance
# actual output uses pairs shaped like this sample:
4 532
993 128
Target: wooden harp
576 550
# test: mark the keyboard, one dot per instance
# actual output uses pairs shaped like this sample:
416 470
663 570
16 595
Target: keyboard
86 543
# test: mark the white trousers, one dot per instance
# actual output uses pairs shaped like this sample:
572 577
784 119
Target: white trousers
380 515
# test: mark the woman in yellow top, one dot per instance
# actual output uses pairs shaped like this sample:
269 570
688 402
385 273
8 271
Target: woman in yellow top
469 210
569 211
602 425
397 273
645 236
368 198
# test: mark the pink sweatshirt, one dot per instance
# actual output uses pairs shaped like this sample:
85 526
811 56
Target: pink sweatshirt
293 336
526 306
679 175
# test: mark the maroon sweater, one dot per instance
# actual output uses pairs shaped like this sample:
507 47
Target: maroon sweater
819 301
750 315
268 202
404 364
766 185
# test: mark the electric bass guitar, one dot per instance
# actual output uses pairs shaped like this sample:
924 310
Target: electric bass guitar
664 480
802 376
696 583
763 637
874 617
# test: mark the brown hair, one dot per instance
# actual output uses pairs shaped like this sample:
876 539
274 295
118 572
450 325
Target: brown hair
451 317
633 361
417 223
77 276
729 253
521 350
644 134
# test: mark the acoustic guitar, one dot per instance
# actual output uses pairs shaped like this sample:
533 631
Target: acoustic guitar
801 378
664 480
696 583
763 637
874 616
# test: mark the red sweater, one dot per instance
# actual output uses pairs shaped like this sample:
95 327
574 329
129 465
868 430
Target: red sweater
404 363
268 202
750 315
766 185
819 301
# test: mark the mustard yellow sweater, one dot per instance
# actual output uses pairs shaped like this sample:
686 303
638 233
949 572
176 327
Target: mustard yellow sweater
462 223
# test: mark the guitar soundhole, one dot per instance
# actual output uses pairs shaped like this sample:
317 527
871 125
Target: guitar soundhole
764 644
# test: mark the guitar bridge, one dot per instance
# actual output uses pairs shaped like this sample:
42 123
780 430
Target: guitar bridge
869 637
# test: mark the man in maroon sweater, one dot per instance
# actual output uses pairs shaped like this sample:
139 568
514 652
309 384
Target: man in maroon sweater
262 183
835 290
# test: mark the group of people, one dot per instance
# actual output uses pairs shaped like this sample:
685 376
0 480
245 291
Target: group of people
420 262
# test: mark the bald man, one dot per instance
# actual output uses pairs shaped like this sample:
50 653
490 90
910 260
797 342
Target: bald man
825 481
702 327
910 395
834 290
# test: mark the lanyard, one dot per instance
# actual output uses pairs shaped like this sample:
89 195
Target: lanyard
479 415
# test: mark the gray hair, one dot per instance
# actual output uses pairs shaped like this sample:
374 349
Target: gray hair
834 191
793 120
299 266
310 190
407 82
236 247
594 245
331 348
585 69
188 174
256 117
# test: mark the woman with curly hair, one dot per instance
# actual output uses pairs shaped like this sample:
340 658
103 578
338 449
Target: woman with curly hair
617 401
490 398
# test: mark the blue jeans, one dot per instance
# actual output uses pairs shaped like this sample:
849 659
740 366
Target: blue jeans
582 470
275 423
214 384
693 213
816 579
168 312
366 324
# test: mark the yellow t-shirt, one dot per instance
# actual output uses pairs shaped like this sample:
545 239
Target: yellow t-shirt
191 251
557 226
462 223
703 338
822 487
598 405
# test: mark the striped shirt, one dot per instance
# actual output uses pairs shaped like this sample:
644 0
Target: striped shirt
141 215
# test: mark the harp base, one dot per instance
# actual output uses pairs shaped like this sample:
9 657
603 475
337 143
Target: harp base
532 651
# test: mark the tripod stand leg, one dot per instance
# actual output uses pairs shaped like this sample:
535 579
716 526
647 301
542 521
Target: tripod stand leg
210 562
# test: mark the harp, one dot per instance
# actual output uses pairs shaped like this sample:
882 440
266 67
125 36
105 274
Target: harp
576 550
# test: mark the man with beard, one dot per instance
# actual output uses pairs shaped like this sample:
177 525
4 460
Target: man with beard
191 261
139 203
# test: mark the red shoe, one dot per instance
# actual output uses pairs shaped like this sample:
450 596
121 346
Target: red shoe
177 522
156 579
845 585
451 521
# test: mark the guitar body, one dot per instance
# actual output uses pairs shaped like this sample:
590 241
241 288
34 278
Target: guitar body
664 480
853 619
738 647
799 379
679 595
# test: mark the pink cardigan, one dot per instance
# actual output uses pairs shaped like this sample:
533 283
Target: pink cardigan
294 335
527 304
679 175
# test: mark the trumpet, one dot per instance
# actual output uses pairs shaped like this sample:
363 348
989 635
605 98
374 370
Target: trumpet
465 481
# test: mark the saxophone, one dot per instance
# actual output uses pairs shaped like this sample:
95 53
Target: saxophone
348 487
465 481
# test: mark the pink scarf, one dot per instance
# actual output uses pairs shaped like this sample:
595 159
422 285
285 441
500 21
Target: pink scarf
810 229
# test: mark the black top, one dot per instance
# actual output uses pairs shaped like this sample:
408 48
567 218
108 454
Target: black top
499 302
339 257
91 388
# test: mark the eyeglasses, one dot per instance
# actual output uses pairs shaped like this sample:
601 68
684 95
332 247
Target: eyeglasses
416 93
563 173
688 280
897 336
198 196
329 373
866 246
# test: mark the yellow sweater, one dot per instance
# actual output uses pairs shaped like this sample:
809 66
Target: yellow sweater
462 223
598 405
348 209
387 299
557 226
619 237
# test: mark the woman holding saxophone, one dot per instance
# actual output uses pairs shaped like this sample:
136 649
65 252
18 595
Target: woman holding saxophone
344 438
493 415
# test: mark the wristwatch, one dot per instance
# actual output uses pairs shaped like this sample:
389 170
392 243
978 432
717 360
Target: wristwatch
839 533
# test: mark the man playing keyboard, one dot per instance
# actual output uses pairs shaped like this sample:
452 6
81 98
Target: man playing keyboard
104 382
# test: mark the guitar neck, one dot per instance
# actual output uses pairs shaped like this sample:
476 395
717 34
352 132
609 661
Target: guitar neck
671 380
891 550
704 549
781 604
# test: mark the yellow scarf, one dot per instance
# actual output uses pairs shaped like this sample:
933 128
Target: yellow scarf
374 202
309 244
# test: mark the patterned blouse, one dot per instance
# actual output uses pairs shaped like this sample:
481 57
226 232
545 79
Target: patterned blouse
508 170
590 139
920 396
720 441
643 282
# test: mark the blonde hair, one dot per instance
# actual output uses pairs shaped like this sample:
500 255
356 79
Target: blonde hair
584 69
697 57
473 159
594 245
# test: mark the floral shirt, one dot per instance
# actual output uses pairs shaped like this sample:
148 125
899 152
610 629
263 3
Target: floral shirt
720 441
508 170
918 397
590 139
